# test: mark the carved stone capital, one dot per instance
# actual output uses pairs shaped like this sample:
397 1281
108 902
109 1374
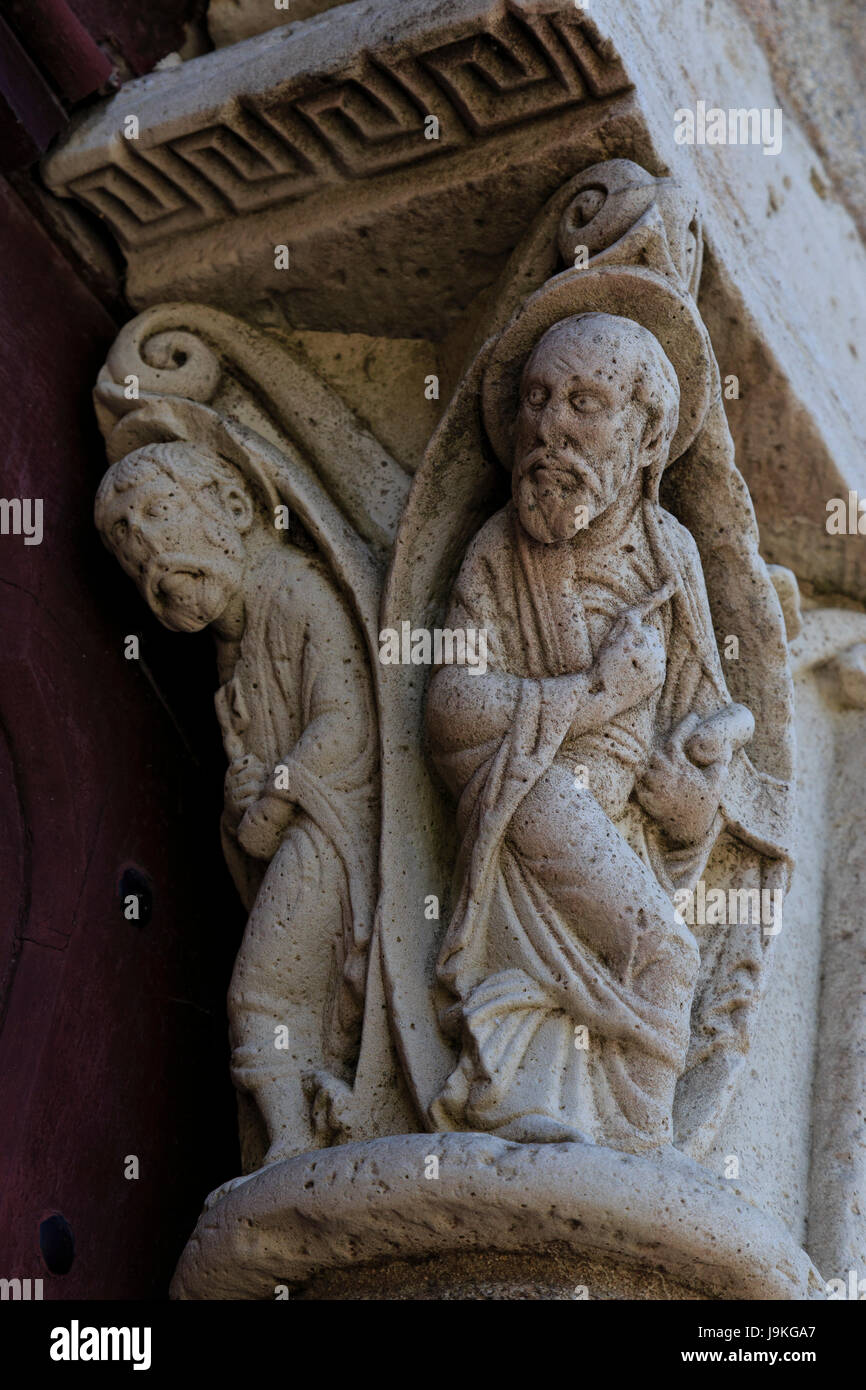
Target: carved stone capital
516 746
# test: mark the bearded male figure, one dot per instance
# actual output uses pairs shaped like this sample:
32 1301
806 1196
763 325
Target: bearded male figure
296 710
590 763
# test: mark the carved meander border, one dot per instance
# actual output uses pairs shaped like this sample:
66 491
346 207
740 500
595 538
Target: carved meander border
278 144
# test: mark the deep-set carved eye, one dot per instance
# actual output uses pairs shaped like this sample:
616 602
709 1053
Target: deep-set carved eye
585 403
120 531
536 396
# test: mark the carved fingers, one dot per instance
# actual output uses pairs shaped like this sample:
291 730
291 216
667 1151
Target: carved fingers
717 738
681 797
244 781
642 610
632 661
263 826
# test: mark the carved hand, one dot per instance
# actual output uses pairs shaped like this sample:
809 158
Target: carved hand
681 797
243 784
263 826
631 662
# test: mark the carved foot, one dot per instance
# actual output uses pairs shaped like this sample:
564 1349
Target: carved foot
330 1107
703 1095
222 1191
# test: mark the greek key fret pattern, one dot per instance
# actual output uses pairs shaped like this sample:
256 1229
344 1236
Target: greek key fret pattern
276 148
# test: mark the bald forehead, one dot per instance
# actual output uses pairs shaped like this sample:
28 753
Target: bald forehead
609 345
131 491
145 480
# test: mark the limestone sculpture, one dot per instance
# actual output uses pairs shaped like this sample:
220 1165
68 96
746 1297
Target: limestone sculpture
296 711
606 763
554 1013
219 528
605 666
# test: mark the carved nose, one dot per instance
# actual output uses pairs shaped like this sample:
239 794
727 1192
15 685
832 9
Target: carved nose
550 429
543 425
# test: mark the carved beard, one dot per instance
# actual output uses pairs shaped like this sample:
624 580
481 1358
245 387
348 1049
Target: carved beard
547 502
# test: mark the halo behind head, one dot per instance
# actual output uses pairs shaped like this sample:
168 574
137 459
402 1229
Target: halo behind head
625 292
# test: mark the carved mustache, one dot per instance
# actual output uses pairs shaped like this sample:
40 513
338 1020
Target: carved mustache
562 463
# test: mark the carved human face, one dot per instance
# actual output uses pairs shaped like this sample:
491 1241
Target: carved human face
578 431
187 562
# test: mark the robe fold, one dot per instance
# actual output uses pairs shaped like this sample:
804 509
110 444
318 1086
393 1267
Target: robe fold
299 696
561 1037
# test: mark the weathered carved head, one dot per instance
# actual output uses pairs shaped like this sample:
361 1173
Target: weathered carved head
179 519
599 402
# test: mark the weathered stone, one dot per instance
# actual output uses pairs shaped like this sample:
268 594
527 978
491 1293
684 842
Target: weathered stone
522 1005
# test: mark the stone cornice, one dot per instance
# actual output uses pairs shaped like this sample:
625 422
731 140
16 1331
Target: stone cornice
288 114
312 136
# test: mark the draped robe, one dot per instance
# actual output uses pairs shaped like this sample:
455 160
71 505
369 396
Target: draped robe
297 693
562 1037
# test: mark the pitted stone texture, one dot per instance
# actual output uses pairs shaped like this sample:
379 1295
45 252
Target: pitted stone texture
817 54
561 875
397 234
321 1215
